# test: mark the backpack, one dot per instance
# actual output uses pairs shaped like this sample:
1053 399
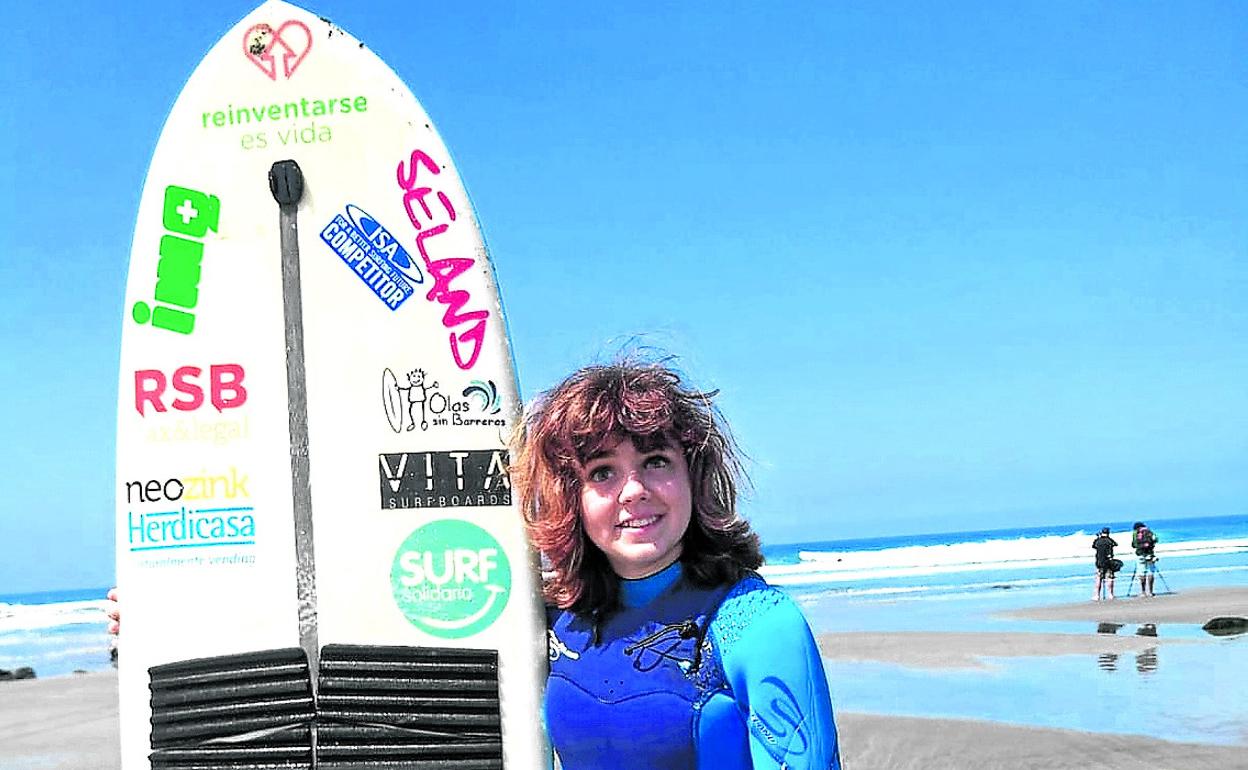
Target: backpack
1143 541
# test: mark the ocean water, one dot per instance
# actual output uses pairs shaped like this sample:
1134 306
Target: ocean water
55 632
945 582
962 581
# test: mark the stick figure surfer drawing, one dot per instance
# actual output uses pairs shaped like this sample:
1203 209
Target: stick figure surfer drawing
399 399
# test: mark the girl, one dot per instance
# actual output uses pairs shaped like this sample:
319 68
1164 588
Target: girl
666 649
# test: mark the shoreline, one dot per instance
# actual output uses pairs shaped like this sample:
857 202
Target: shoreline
933 649
71 723
1195 606
947 650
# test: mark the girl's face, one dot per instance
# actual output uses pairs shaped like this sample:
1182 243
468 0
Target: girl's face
636 506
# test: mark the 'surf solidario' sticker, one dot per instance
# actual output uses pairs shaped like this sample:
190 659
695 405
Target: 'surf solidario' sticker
450 579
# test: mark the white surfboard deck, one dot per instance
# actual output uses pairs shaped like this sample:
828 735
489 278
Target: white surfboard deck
410 388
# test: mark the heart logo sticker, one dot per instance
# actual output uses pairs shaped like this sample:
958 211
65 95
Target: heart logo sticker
278 51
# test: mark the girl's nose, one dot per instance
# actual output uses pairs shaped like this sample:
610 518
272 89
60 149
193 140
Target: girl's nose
634 488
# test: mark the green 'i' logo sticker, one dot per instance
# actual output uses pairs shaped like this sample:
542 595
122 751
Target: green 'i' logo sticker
188 214
450 579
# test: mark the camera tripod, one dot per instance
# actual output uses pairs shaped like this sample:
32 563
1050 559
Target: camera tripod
1156 571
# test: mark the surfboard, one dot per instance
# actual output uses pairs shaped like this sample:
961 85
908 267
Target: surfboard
321 560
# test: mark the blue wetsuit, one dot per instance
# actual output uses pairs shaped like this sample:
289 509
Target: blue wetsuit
683 677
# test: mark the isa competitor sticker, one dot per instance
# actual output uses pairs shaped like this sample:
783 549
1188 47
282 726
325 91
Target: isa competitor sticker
450 579
373 254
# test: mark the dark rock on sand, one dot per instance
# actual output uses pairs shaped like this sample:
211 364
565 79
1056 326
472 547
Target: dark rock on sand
25 672
1226 626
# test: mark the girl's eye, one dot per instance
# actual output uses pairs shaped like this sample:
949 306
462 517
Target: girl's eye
601 473
658 461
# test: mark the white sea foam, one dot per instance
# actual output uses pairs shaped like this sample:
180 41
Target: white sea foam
1012 554
28 617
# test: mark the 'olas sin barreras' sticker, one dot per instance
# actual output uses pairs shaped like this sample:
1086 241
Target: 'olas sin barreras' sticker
450 579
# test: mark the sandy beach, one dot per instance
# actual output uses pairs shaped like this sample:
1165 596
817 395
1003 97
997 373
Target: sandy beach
935 649
62 723
879 741
870 742
70 723
1196 605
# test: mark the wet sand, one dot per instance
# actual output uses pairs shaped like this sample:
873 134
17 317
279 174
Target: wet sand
937 649
1197 606
70 723
870 742
934 649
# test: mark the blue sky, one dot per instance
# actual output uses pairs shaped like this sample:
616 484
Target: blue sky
954 267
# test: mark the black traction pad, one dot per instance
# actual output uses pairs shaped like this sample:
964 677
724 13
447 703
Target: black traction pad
375 708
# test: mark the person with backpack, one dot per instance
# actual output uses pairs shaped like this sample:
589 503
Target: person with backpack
1144 541
1106 565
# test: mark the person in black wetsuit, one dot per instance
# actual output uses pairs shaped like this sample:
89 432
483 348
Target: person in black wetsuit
1106 566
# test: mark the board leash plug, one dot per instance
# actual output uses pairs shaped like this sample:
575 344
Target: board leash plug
286 182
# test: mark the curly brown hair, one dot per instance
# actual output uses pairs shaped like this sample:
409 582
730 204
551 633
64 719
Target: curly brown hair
589 411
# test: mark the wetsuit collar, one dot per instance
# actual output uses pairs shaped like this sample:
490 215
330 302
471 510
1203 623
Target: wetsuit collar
642 591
